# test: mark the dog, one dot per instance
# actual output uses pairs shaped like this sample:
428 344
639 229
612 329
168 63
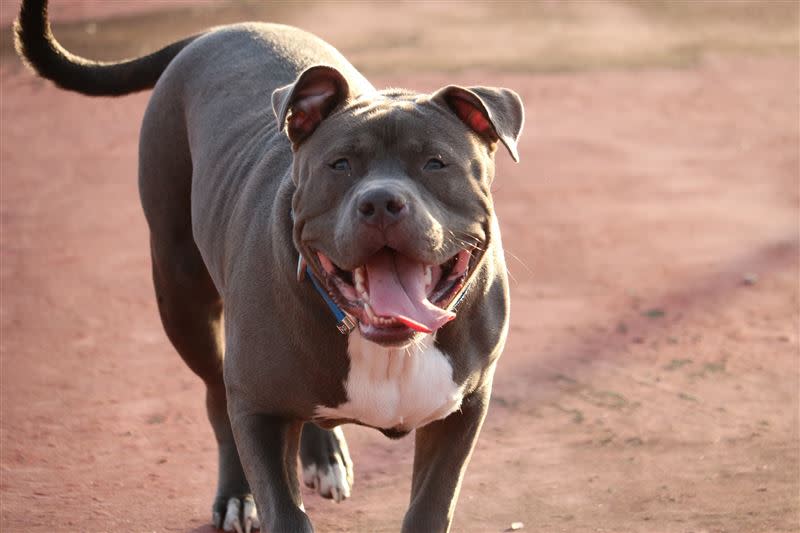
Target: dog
347 234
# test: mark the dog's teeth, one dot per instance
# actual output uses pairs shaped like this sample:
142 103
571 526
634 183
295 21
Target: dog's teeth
358 277
370 313
428 275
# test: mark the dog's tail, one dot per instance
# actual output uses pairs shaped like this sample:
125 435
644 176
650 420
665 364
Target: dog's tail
36 45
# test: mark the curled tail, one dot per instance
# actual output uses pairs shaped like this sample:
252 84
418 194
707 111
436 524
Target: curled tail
38 47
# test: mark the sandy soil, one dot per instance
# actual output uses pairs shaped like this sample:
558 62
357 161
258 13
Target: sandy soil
651 378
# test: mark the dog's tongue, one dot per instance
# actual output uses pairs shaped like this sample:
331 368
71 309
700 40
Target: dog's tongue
397 290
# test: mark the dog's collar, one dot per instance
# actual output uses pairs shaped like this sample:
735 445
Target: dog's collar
344 322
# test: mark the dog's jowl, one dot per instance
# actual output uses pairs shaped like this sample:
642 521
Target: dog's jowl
348 236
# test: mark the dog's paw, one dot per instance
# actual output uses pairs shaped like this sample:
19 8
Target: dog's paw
331 473
237 514
330 481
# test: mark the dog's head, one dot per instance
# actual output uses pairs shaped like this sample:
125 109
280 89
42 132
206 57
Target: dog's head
392 207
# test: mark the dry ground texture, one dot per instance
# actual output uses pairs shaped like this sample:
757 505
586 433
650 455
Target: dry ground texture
650 383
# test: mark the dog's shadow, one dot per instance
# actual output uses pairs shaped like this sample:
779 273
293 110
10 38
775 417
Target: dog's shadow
208 528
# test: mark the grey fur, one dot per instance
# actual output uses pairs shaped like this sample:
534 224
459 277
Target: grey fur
218 178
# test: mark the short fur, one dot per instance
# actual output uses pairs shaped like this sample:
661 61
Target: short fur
219 177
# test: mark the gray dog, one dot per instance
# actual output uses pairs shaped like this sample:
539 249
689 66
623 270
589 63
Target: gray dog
352 244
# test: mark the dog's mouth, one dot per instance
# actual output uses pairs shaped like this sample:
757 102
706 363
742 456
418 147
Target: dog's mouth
394 296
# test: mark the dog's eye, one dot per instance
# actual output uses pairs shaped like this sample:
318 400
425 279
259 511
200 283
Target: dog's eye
434 164
342 165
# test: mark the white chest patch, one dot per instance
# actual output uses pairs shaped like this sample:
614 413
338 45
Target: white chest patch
396 388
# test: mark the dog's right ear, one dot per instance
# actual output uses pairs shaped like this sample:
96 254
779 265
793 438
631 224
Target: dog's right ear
301 106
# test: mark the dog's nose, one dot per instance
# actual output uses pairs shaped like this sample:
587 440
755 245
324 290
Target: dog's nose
382 207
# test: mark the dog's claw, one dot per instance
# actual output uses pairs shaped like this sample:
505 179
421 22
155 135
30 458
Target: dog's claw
338 494
232 516
250 516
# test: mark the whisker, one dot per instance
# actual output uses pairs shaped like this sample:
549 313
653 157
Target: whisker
520 261
514 279
467 240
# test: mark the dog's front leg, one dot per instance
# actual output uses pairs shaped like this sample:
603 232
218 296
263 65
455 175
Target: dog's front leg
442 451
268 450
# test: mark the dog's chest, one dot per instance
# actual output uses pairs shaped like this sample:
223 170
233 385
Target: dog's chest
396 389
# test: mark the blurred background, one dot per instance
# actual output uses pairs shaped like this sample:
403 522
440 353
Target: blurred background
650 382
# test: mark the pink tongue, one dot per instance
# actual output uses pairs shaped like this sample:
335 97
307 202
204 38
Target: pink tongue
397 290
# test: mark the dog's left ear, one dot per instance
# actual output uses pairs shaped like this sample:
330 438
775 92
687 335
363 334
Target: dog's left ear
491 112
301 106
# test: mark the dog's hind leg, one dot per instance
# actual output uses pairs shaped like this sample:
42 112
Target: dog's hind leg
191 312
190 307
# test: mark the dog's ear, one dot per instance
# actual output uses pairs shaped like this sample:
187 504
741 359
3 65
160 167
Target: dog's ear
301 106
491 112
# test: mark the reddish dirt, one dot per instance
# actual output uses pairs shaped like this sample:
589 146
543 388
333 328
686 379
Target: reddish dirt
651 377
81 10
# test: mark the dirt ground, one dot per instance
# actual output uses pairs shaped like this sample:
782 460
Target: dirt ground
650 382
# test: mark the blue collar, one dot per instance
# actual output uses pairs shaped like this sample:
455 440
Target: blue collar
344 322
